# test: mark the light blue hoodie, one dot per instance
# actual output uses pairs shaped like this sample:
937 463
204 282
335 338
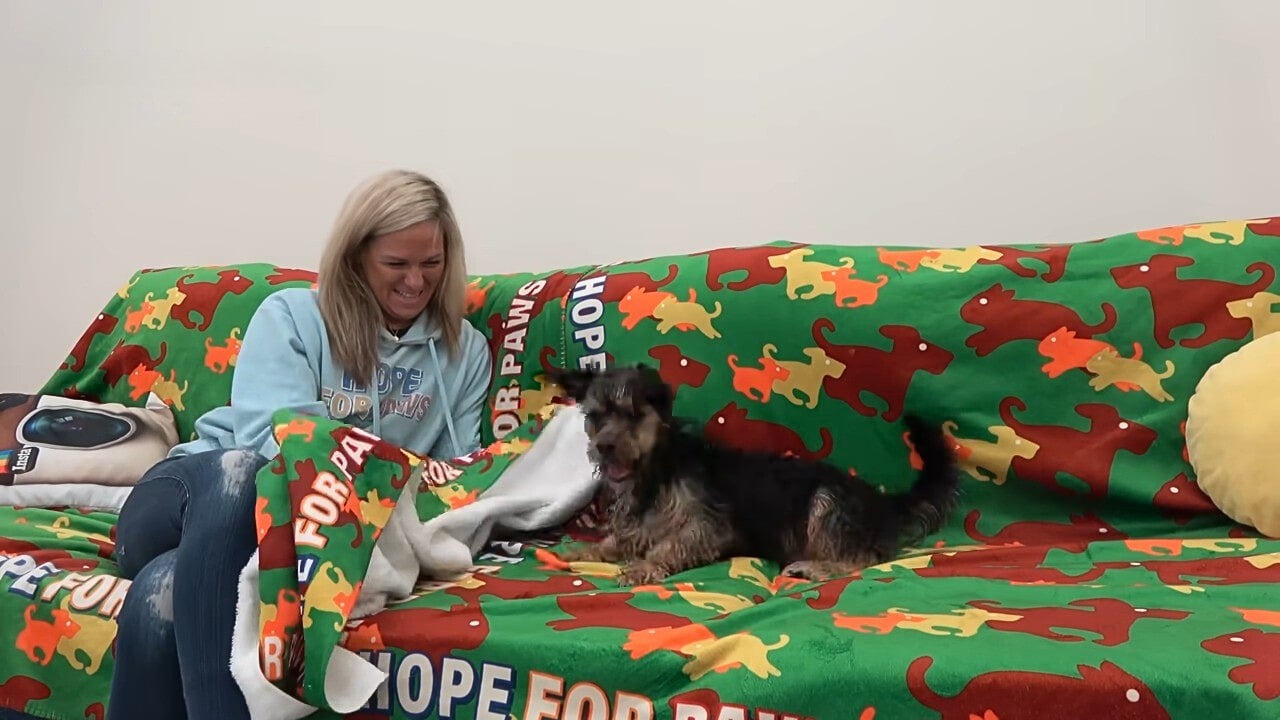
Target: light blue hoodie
425 400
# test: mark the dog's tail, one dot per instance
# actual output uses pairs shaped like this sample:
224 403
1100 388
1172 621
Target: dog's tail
925 507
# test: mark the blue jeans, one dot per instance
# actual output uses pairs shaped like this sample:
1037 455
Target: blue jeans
184 535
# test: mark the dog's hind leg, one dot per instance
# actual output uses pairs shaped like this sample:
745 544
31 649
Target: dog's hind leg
832 546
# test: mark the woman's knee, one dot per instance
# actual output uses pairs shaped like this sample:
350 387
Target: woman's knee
223 506
237 472
150 521
146 617
213 490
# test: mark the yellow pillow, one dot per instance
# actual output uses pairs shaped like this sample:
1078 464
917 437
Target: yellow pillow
1233 434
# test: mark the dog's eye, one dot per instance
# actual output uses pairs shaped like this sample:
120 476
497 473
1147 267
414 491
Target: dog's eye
623 409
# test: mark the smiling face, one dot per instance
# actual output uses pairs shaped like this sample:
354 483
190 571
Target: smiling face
404 269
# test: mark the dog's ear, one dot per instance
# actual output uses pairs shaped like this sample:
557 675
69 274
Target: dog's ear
656 392
575 382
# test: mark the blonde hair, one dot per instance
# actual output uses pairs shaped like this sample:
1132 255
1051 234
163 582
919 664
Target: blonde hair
385 203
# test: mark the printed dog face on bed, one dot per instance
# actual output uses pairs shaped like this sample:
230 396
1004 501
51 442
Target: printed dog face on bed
624 409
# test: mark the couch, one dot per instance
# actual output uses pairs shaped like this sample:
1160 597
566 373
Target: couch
1084 574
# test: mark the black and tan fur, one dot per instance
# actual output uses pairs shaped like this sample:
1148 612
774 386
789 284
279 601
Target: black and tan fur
681 501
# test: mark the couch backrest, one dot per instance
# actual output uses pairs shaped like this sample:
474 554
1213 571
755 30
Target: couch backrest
1062 371
174 331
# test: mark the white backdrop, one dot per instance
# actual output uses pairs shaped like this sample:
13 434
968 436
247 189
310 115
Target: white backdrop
140 134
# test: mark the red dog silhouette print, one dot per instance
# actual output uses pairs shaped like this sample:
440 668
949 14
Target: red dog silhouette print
754 261
1110 619
609 610
1178 302
102 325
1079 528
885 374
1261 649
555 287
1269 226
1181 500
1086 455
1235 570
1053 256
125 357
203 298
1106 691
1005 318
437 633
730 426
1013 564
616 285
280 276
677 369
20 690
474 588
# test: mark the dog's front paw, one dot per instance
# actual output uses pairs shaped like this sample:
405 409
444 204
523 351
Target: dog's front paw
587 553
818 571
641 572
800 569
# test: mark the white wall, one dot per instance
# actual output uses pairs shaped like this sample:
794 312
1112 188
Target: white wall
148 133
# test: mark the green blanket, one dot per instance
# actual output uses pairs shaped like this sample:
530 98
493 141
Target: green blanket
1113 630
1017 631
59 597
1084 575
323 504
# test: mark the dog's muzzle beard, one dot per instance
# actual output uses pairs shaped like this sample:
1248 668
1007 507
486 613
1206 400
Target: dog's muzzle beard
610 463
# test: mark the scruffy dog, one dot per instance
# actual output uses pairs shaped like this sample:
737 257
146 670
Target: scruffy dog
680 501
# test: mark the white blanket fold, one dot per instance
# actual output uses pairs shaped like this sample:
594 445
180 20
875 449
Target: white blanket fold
543 488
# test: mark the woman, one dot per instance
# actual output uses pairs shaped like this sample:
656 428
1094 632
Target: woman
382 345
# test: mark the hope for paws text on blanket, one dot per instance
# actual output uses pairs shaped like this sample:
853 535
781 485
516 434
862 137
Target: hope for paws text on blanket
346 522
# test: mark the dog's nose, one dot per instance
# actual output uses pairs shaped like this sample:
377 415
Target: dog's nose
605 447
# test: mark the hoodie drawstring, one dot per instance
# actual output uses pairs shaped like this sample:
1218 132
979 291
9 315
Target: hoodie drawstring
377 403
444 398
